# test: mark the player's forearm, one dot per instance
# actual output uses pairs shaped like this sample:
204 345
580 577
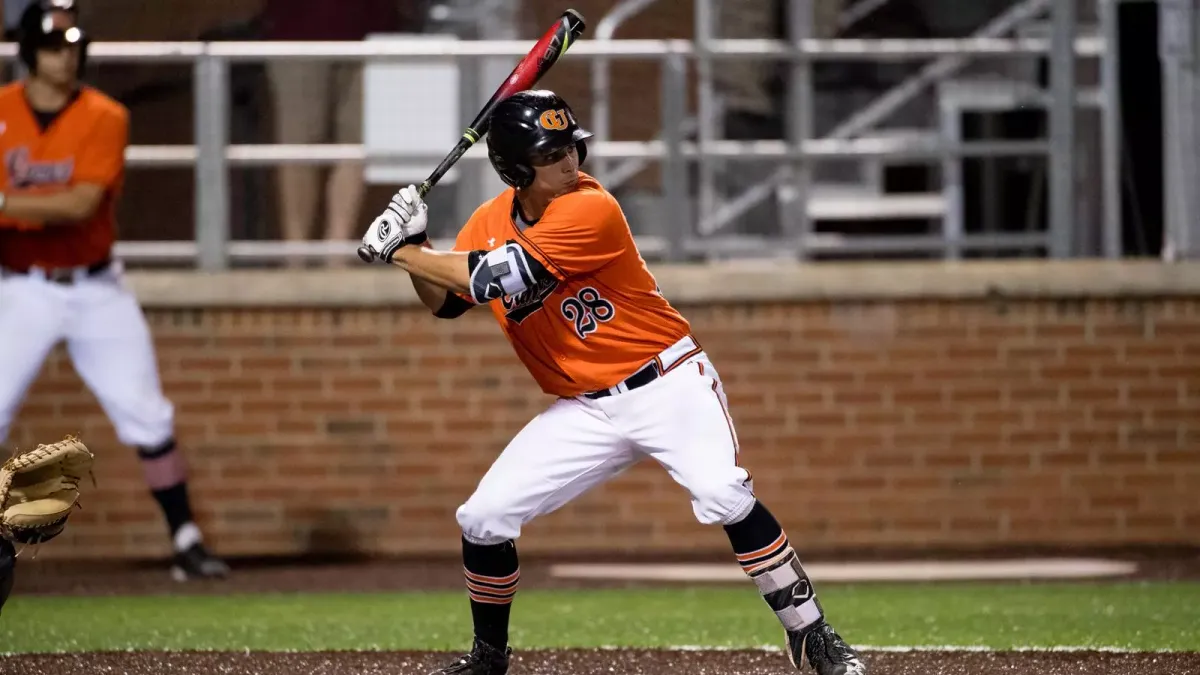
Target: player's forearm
431 295
447 270
61 208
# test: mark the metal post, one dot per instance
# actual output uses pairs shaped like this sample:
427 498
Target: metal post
1110 112
674 168
1170 132
469 186
211 92
799 113
1062 130
1178 52
952 180
990 188
1191 65
705 107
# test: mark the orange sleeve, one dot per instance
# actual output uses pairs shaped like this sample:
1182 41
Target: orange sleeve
579 233
102 157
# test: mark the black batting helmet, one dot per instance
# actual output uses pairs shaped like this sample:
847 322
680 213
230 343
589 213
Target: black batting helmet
530 123
37 31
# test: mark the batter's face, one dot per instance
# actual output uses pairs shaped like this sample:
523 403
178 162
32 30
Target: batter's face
555 173
58 63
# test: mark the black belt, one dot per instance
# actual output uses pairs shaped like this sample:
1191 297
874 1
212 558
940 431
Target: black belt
641 378
63 275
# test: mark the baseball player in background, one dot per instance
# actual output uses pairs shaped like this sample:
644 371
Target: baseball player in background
63 146
553 258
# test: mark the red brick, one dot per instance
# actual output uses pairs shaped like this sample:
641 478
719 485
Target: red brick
1065 459
364 385
1033 394
1008 460
1066 372
1177 458
261 426
1083 393
1122 372
880 418
963 394
1105 415
1076 330
1082 438
948 460
1144 438
1004 418
1117 331
1027 353
866 397
885 377
860 483
1182 327
1147 482
1164 522
1156 351
831 376
243 386
1121 459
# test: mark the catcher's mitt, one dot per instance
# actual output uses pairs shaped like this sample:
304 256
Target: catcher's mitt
39 488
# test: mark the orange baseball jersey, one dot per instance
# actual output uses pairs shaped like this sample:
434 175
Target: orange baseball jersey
84 144
601 316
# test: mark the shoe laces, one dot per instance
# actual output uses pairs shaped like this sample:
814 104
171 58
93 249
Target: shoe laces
825 645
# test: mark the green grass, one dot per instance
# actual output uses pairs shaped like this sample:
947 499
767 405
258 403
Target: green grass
1133 616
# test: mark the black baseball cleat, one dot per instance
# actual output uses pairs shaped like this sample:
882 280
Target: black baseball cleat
197 563
484 659
820 648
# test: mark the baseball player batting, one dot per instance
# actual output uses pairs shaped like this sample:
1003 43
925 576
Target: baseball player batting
553 258
63 146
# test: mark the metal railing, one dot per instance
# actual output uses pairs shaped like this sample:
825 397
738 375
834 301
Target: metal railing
212 155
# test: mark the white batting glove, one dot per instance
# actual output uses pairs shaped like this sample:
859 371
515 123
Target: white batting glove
403 222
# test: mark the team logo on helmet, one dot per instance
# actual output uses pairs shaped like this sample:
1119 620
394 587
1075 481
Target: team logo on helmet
554 120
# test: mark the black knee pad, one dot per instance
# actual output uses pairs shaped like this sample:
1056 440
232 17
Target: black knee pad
8 566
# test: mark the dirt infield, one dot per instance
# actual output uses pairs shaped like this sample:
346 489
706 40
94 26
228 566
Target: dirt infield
591 662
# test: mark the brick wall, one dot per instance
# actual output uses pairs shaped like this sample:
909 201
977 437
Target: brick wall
913 424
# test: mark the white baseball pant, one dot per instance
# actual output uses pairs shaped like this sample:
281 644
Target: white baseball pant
681 420
107 340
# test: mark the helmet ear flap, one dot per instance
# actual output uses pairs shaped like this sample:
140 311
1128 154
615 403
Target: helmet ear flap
514 174
28 54
581 151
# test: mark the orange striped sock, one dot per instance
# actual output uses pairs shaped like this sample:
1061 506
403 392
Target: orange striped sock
492 575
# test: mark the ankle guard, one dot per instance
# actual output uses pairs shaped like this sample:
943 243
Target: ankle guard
789 593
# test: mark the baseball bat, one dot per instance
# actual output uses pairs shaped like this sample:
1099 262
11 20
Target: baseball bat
540 58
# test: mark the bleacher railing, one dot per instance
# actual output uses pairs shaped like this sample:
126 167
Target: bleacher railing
212 155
